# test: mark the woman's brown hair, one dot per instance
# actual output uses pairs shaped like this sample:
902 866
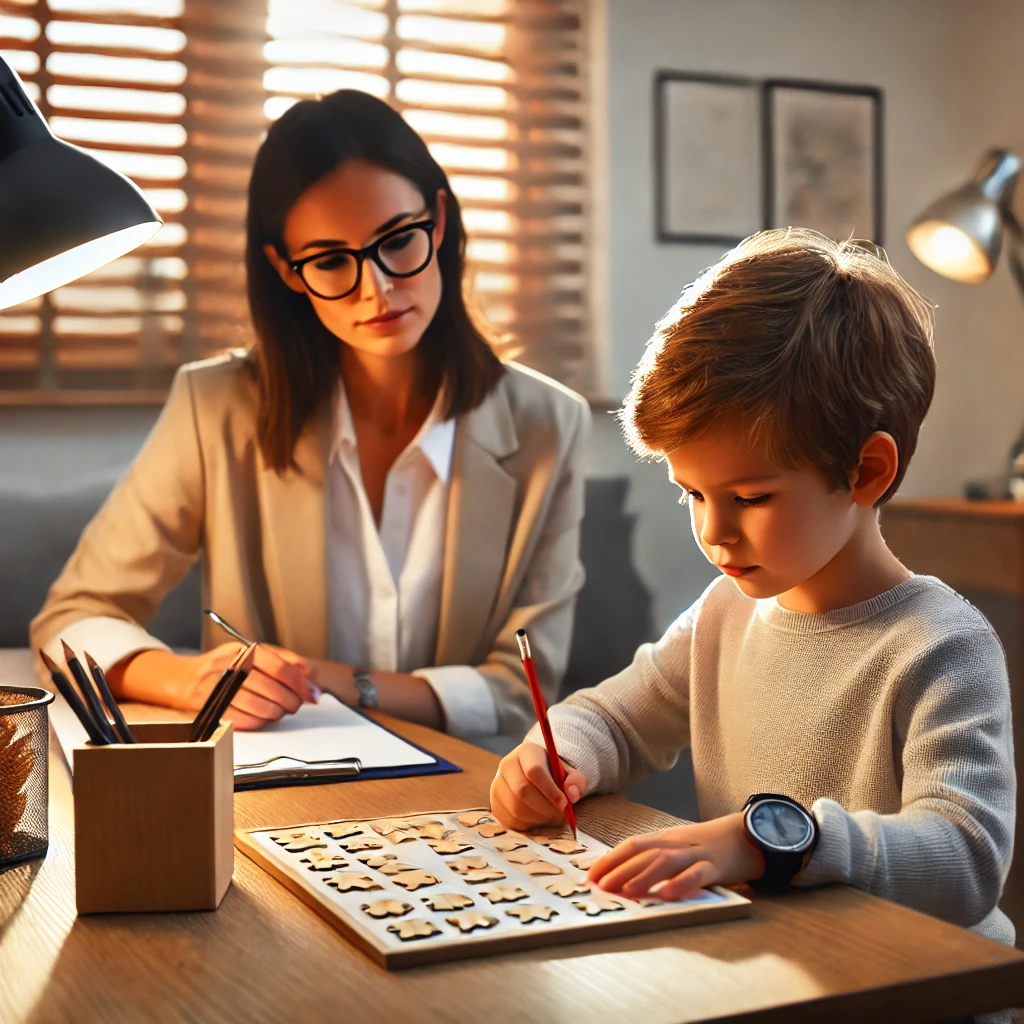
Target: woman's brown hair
809 344
299 360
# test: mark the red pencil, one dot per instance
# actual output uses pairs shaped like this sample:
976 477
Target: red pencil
540 706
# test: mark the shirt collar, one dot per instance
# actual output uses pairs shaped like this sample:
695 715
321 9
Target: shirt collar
435 438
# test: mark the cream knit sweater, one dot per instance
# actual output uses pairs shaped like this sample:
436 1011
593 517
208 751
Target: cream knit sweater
890 719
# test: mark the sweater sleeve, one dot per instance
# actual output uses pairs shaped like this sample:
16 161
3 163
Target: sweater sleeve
947 851
635 722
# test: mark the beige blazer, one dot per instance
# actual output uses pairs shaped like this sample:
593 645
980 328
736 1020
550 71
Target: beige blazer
200 486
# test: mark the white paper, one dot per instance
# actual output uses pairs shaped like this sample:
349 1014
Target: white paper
328 731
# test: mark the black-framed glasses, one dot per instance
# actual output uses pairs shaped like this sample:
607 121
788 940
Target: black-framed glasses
335 273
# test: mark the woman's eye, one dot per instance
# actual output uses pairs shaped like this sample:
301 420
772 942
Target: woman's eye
333 262
760 499
398 242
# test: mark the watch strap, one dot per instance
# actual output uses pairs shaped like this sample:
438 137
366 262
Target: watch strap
365 687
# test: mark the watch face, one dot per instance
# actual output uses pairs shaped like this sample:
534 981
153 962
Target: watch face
780 825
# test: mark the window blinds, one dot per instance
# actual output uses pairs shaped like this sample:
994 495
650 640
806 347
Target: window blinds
178 93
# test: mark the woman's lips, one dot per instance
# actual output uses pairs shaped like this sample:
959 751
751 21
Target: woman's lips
385 319
737 570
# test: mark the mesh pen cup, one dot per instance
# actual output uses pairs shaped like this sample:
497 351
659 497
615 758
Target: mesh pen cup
24 781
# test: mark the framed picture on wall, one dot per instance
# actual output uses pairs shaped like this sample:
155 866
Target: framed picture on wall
707 159
823 158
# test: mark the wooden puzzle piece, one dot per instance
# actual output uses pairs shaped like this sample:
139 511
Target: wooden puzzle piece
473 818
542 867
527 912
448 901
415 928
393 867
387 908
354 845
463 864
547 838
490 831
298 842
344 829
471 920
484 875
446 847
599 904
513 842
321 860
399 830
504 894
433 830
346 881
412 880
522 857
377 860
385 826
584 862
566 846
567 887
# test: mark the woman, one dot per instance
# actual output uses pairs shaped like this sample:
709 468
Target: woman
375 496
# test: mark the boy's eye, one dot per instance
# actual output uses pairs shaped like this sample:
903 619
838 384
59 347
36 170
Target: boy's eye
760 499
687 496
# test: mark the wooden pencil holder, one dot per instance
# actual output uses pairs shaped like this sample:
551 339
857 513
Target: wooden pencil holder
154 821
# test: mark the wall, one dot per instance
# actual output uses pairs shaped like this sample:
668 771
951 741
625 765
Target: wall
950 72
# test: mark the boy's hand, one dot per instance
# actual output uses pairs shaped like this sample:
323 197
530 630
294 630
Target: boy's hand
685 858
523 793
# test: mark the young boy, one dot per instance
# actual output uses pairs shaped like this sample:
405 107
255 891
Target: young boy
849 720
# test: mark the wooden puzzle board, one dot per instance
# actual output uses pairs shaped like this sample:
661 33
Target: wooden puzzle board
430 876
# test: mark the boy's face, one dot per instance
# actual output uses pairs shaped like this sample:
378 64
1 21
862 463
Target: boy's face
770 528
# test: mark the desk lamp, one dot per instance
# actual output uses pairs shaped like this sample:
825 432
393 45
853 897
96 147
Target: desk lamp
960 234
63 214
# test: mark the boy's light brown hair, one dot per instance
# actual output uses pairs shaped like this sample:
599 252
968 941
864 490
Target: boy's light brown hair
812 344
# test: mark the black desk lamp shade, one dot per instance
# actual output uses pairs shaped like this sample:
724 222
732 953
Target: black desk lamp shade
63 213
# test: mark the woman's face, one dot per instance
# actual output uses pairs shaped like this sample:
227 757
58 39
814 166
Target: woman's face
351 207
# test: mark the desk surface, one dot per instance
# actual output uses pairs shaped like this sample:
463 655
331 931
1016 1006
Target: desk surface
264 956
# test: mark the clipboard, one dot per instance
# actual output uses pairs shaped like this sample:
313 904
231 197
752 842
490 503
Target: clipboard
284 770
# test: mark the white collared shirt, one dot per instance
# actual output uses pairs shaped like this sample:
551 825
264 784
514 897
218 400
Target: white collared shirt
384 584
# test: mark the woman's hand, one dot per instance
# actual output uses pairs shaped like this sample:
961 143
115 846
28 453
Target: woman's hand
279 684
523 793
685 859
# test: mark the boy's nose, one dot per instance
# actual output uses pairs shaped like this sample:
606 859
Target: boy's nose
717 529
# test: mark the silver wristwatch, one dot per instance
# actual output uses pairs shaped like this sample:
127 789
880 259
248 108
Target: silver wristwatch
367 688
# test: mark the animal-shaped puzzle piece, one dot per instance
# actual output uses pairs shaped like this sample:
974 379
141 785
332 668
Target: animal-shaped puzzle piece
527 912
547 838
298 842
398 830
321 860
566 846
446 847
473 818
393 867
387 908
567 887
414 928
354 845
432 830
448 901
542 867
385 826
412 880
490 831
484 875
504 894
584 862
346 881
599 904
343 829
513 842
471 920
522 857
463 864
377 860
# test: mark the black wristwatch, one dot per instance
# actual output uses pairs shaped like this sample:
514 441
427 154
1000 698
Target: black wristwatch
786 834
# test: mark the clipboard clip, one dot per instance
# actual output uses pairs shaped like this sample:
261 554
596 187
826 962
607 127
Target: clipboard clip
261 771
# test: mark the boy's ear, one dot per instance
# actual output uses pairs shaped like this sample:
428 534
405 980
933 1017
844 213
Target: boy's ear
280 264
874 474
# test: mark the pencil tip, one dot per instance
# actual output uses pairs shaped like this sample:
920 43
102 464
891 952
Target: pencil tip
68 652
520 632
50 664
89 660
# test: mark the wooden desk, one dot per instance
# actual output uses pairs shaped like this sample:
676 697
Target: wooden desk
977 547
264 956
